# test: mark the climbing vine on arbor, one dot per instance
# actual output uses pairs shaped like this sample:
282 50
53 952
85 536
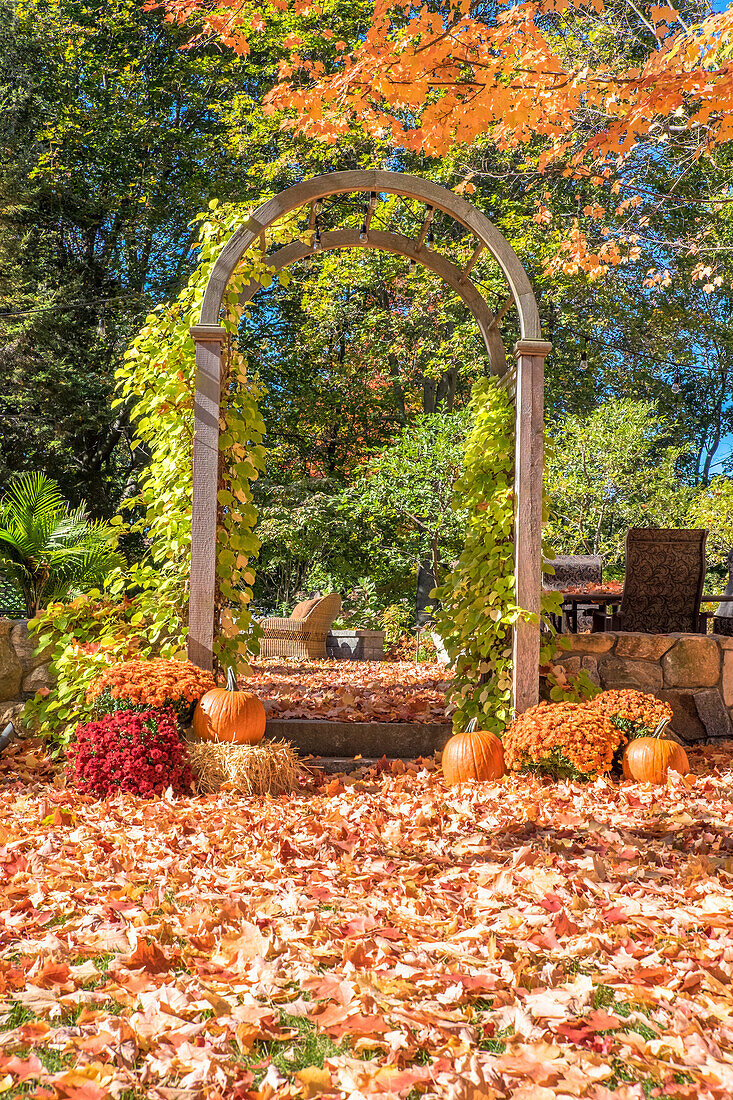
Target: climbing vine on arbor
143 609
478 602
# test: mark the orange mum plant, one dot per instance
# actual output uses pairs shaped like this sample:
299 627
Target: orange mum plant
158 683
565 740
634 712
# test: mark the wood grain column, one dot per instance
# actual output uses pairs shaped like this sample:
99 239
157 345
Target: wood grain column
528 469
209 339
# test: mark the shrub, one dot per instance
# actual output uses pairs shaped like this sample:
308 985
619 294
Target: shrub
139 753
565 740
159 683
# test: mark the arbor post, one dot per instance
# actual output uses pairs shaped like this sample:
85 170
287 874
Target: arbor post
528 469
209 340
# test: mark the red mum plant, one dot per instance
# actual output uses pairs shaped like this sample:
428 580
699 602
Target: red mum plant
139 753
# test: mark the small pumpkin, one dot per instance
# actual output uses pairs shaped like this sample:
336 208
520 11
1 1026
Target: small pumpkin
648 759
225 714
473 754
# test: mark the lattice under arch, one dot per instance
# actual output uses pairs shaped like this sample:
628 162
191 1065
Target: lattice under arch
524 377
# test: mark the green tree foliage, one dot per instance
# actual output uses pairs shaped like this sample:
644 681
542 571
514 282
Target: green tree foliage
354 346
112 138
49 551
410 487
309 542
354 350
712 507
142 610
608 470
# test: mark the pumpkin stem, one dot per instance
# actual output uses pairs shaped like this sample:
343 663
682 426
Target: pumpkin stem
660 727
472 725
231 680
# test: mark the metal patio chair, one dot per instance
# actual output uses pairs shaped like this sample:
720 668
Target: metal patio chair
665 572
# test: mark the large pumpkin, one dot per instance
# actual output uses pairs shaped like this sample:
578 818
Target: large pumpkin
225 714
473 754
648 759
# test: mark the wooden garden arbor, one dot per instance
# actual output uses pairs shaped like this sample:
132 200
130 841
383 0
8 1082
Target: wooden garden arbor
524 377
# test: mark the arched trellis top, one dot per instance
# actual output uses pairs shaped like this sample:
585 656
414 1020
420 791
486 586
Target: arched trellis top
527 387
392 183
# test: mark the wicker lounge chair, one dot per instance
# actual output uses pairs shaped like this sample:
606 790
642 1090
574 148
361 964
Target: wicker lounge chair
304 633
665 571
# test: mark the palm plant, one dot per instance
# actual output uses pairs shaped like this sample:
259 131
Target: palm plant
48 550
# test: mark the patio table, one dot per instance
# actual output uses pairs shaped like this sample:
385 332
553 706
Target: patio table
605 598
599 597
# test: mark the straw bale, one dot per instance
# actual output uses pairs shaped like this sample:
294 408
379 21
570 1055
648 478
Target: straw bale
270 767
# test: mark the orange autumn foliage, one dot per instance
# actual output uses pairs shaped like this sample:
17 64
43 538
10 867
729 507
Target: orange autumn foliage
353 691
428 80
633 706
156 941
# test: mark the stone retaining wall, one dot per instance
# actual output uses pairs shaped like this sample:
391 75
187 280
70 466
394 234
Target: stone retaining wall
692 672
356 645
22 672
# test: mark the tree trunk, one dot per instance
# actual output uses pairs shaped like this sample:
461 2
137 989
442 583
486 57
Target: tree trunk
429 388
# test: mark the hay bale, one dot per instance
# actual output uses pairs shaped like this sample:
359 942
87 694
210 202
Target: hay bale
271 767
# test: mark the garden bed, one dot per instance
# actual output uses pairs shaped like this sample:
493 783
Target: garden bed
352 691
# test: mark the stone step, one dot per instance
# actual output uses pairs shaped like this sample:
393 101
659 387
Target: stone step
332 764
371 740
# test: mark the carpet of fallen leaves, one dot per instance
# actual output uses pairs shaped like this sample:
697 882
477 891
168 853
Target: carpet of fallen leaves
373 936
354 691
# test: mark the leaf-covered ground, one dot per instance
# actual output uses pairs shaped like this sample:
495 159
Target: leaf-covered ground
355 691
379 936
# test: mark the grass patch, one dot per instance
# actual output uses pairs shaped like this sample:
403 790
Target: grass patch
112 1007
102 964
60 918
52 1060
605 997
496 1044
650 1086
19 1014
308 1048
492 1046
422 1058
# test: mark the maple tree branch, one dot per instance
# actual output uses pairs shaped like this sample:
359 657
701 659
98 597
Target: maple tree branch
649 27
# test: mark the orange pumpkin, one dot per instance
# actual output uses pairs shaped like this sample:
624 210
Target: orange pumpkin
225 714
473 754
648 759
